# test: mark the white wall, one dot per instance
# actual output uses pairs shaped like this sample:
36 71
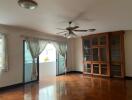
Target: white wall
47 70
78 54
15 51
70 55
14 75
128 53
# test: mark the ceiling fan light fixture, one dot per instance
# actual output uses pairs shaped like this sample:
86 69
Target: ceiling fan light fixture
70 36
28 4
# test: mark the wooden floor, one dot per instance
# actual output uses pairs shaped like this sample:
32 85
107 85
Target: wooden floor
72 87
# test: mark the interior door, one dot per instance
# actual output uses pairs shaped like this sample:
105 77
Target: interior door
60 61
28 64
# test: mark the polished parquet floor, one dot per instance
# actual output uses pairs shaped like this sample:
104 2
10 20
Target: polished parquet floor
72 87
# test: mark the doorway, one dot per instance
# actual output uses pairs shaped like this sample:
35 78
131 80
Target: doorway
47 62
51 63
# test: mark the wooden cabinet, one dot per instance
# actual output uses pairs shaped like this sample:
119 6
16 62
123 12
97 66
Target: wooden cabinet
103 54
117 60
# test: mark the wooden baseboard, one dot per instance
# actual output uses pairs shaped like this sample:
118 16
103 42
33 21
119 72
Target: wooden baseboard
71 72
61 74
11 86
128 78
75 72
15 85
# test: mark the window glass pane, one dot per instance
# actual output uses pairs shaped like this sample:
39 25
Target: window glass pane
1 52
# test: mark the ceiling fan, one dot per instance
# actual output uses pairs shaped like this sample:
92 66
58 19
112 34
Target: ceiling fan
69 32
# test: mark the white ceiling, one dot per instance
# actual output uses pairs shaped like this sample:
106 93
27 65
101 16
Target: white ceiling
104 15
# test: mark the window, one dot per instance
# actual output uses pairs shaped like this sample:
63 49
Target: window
3 53
48 55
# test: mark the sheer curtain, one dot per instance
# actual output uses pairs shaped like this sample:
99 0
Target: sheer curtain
3 53
61 48
36 46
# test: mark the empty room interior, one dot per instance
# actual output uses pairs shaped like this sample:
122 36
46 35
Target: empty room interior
65 50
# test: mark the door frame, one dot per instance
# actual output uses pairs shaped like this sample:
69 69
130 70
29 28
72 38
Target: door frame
24 41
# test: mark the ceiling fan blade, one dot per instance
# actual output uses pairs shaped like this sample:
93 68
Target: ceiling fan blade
74 34
61 32
81 30
73 28
60 29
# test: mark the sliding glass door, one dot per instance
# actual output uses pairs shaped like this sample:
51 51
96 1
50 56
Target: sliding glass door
28 64
60 68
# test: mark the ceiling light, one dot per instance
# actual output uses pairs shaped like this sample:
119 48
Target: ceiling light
28 4
71 36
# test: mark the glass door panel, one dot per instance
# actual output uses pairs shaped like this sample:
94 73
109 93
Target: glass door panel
88 55
115 48
87 68
95 41
115 70
95 54
87 50
115 54
96 68
87 43
102 40
104 69
103 54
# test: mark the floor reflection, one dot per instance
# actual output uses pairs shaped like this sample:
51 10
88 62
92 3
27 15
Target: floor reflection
48 93
72 87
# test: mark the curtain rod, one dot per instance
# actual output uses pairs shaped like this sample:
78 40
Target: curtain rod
33 37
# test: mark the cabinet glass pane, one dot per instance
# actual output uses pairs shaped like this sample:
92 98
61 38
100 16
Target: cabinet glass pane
95 41
103 54
86 43
102 40
87 50
95 54
115 40
116 70
96 68
88 68
104 69
87 55
115 54
87 58
115 48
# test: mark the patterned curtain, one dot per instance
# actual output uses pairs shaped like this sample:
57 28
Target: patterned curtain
36 47
62 49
